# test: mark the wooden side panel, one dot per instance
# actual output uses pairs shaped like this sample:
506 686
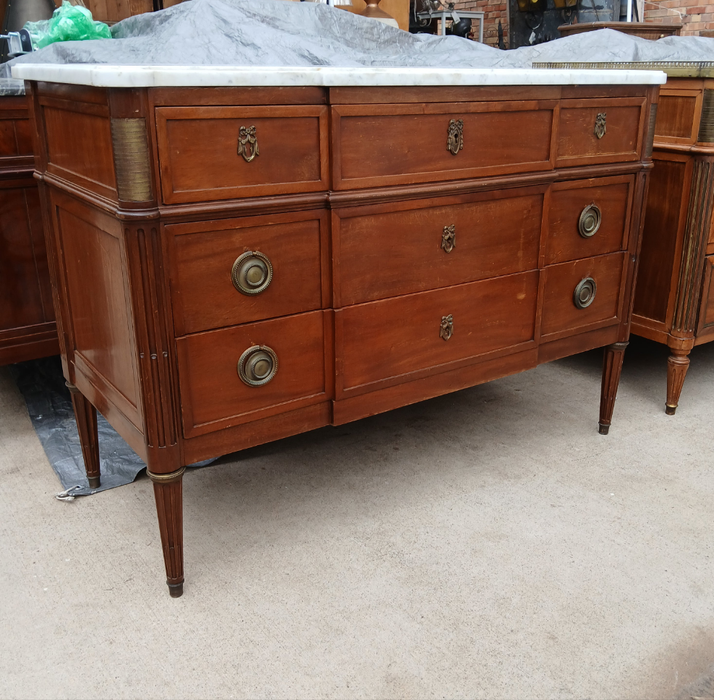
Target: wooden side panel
94 270
386 342
663 229
401 248
706 311
676 115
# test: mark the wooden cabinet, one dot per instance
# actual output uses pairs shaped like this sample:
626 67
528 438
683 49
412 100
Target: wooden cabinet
215 293
27 319
674 303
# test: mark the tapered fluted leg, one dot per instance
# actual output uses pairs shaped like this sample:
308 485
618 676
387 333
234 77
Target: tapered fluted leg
86 417
169 507
611 370
677 366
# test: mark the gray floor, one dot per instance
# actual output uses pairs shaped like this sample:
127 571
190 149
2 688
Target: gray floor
487 544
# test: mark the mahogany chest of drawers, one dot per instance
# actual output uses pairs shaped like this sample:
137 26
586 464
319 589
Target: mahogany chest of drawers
236 265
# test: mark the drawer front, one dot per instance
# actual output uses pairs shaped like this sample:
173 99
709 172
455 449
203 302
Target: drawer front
211 153
561 315
225 273
390 341
388 253
600 131
588 218
213 395
377 145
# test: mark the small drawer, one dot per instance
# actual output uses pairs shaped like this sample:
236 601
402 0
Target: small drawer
236 375
225 273
582 294
377 145
588 218
211 153
404 248
600 131
387 342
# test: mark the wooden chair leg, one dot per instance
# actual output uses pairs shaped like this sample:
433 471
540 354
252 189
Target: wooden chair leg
86 417
677 366
168 494
611 370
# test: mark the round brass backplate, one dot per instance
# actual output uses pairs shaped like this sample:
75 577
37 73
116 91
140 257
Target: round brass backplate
589 221
257 365
584 293
252 273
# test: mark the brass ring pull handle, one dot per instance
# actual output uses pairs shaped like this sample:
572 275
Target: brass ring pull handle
455 138
257 365
448 238
589 221
446 330
252 273
601 124
248 143
584 293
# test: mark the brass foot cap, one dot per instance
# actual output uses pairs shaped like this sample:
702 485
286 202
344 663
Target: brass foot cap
670 410
175 590
604 429
93 482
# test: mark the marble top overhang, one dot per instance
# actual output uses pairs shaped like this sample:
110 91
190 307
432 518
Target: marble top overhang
116 76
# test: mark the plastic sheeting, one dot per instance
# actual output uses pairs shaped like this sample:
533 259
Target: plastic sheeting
282 33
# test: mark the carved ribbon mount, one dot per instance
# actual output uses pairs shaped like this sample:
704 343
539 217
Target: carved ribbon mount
448 238
455 139
601 124
447 327
248 143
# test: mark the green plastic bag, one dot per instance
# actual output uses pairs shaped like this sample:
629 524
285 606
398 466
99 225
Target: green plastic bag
68 23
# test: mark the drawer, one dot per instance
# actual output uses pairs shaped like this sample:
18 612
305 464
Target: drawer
561 315
205 153
213 395
387 342
588 218
225 273
405 248
377 145
600 131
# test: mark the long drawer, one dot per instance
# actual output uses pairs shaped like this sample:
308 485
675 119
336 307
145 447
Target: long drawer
588 218
212 153
409 247
225 273
387 342
377 145
582 295
235 375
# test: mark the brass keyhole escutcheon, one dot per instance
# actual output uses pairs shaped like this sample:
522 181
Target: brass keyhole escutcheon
448 238
248 143
455 138
589 221
252 273
584 293
446 330
257 365
601 124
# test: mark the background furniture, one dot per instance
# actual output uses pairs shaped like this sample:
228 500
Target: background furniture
443 15
645 30
236 265
27 320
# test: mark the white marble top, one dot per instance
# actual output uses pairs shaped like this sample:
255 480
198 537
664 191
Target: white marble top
100 75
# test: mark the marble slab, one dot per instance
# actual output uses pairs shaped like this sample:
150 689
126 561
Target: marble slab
115 76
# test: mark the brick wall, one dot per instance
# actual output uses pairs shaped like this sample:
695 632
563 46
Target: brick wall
695 15
495 10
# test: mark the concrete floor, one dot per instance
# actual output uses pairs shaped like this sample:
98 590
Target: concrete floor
486 544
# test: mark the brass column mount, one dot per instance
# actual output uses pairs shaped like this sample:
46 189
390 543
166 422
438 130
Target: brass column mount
248 143
448 238
455 138
446 330
601 124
